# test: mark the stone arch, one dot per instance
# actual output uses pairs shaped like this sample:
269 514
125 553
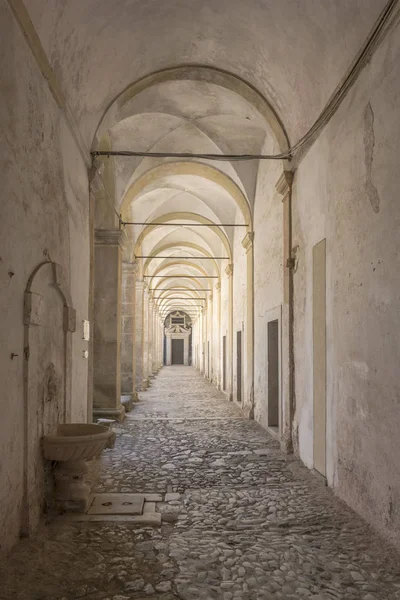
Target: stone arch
195 73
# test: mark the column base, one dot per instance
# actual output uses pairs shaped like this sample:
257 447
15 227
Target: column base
145 384
111 413
126 401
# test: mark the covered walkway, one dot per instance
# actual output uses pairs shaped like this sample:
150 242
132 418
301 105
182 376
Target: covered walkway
242 520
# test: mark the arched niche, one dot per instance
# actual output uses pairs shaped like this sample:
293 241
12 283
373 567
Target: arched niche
49 321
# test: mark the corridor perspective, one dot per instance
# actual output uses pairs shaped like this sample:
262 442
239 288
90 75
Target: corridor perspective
200 299
241 520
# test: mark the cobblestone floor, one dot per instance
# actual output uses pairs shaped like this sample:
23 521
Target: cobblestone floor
250 523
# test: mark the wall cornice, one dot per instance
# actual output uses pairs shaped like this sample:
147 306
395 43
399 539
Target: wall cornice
110 237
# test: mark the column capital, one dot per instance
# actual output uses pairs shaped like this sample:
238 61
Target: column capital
284 183
247 241
218 287
110 237
229 270
130 268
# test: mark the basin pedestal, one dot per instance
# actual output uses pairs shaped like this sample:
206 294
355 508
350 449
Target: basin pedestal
72 493
71 446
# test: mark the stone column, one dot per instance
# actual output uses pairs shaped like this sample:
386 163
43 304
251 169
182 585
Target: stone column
217 338
248 401
205 333
287 409
186 350
150 339
138 351
169 350
145 344
128 346
156 354
156 341
210 335
229 353
161 343
107 324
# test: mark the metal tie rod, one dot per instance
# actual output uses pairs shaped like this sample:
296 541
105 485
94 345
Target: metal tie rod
192 257
176 298
187 224
180 290
185 276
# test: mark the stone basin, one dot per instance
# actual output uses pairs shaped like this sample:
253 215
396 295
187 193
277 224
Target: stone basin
76 442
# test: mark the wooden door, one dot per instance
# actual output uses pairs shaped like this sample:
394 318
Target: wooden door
319 355
273 374
239 366
177 351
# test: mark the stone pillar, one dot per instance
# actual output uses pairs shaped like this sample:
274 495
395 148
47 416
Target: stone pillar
169 350
204 340
161 343
145 344
155 337
286 411
229 367
186 350
248 401
156 353
107 324
138 350
150 339
128 346
210 335
217 338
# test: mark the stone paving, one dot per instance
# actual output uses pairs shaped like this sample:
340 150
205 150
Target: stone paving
241 521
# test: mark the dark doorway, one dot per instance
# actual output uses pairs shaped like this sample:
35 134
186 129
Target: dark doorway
239 366
273 374
177 352
224 362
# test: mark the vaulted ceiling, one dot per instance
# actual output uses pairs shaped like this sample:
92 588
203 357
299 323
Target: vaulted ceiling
216 76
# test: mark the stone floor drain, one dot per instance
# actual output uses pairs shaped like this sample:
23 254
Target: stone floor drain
132 508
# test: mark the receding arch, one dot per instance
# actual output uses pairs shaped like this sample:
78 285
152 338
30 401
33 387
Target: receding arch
185 216
205 171
182 244
180 263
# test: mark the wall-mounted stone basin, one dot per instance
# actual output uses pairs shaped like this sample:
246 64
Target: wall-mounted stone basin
76 441
71 446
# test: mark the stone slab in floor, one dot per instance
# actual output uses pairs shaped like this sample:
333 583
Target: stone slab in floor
150 519
116 504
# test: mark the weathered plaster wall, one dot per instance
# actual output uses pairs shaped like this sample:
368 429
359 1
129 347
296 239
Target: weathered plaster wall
44 215
346 189
268 275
